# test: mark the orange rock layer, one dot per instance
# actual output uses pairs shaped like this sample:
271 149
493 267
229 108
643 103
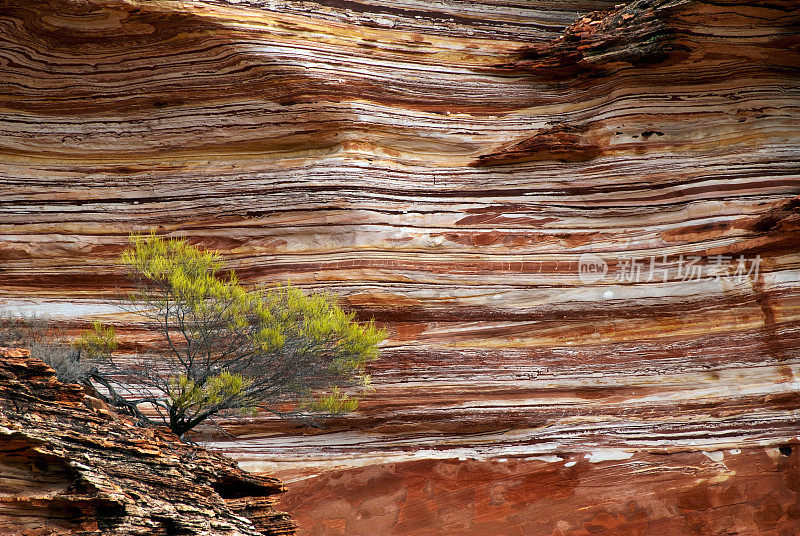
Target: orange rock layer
448 168
751 491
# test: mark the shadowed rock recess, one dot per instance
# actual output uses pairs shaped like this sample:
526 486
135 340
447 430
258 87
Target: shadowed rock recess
69 466
444 166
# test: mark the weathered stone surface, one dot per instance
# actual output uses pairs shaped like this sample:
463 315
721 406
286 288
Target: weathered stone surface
69 466
754 491
444 166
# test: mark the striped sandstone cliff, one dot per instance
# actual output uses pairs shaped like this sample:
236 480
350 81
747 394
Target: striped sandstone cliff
444 167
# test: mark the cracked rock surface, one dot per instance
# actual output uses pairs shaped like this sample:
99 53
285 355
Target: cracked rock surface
69 466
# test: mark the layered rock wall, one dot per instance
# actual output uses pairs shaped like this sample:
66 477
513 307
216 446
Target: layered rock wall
444 168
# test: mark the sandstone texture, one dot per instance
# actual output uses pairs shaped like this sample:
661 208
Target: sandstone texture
69 466
753 491
447 168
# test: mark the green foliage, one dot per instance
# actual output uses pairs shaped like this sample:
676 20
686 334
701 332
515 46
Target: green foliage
230 348
335 403
96 343
73 361
185 393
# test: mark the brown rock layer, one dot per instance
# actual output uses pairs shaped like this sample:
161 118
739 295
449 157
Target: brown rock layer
68 466
750 492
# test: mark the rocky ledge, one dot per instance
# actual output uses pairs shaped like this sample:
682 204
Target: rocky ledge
70 466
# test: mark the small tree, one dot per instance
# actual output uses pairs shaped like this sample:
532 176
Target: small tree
231 349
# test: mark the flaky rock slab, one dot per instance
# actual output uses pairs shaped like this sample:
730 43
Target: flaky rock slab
69 466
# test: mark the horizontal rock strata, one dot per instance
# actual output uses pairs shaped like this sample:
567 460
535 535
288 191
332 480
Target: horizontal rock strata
69 466
446 168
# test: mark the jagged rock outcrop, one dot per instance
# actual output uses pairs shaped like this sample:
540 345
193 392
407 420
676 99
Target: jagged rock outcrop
70 466
445 167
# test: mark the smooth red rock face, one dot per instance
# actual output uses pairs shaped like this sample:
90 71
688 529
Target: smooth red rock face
749 492
444 167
